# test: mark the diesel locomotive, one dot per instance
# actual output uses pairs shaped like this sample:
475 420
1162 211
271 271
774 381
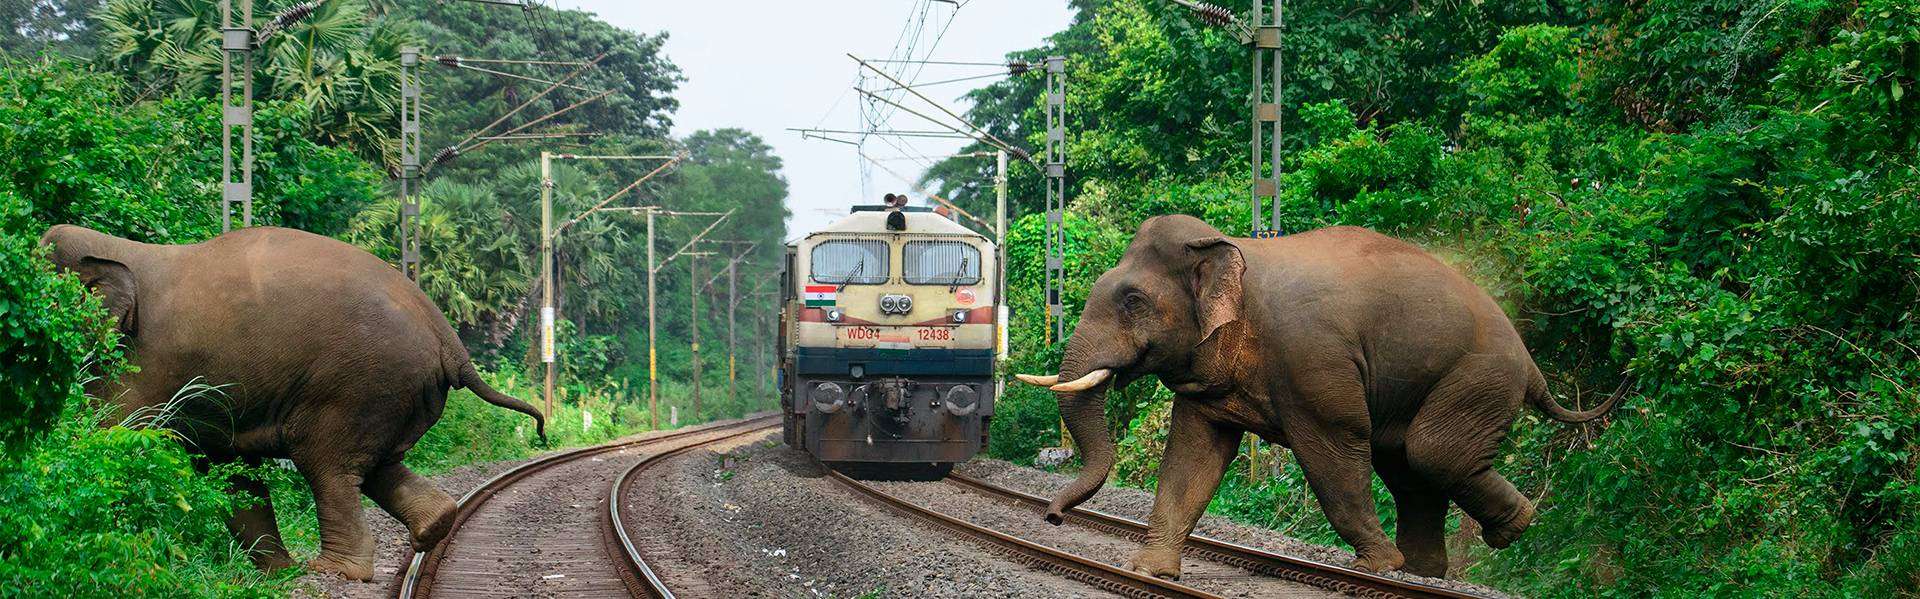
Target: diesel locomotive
888 343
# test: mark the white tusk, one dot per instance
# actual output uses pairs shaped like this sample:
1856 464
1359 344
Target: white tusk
1093 379
1039 381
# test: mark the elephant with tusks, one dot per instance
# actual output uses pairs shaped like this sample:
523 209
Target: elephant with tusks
1360 352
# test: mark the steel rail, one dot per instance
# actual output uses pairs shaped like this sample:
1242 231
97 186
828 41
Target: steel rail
653 586
1099 574
1303 571
418 569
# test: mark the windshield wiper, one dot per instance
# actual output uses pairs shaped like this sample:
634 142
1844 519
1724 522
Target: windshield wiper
953 282
858 268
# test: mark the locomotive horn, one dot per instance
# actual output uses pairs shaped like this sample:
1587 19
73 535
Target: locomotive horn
1093 379
1039 381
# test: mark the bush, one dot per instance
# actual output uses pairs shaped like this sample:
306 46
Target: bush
51 331
118 512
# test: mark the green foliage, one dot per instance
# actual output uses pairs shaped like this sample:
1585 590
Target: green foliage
1715 198
119 513
342 62
51 332
77 154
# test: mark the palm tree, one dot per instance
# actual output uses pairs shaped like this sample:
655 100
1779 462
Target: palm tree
341 60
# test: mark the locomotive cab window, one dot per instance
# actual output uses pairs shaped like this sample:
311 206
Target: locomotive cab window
850 262
941 263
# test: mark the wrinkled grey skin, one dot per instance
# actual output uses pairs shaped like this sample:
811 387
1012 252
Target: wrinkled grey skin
1359 352
325 355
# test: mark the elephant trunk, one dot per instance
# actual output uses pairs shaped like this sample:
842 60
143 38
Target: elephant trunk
1085 413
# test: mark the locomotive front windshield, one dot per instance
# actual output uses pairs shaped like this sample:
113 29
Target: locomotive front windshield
850 262
941 263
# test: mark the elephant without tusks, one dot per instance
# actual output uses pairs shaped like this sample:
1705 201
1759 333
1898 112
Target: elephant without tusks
1359 352
325 356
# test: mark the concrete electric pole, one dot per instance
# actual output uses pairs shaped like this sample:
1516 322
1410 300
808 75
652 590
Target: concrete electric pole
236 114
410 162
1056 170
1267 128
548 232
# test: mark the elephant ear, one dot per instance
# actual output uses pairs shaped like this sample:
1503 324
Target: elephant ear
116 287
1217 291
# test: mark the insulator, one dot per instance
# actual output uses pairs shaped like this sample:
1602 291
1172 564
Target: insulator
299 12
1019 67
1214 14
446 154
450 61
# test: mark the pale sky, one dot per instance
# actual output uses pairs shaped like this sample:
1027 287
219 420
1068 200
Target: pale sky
766 66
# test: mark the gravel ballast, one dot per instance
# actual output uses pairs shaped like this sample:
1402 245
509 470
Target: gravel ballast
752 518
1136 504
760 520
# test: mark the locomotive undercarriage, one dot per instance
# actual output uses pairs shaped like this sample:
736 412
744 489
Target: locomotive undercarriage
883 426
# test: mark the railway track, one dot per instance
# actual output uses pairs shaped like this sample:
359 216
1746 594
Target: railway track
647 582
478 544
1316 574
1093 572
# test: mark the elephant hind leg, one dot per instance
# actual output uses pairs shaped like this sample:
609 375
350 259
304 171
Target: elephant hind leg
256 528
346 547
1421 511
426 511
1452 443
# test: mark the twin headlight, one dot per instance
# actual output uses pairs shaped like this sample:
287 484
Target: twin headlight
896 304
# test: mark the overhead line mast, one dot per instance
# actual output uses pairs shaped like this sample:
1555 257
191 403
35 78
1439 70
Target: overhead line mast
1263 39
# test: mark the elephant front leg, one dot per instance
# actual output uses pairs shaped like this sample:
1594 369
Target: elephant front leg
1337 461
346 548
426 510
256 528
1198 452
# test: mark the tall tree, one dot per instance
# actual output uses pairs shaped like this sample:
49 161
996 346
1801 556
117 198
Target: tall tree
342 60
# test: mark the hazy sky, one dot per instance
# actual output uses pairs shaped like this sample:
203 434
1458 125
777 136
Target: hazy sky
765 66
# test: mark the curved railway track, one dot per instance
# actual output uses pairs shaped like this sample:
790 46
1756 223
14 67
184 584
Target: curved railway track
1325 576
476 533
647 582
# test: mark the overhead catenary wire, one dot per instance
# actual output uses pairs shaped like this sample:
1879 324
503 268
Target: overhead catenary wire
987 137
948 81
892 133
457 62
536 97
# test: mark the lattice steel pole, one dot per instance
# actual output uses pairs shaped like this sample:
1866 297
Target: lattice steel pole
236 118
1267 128
1056 165
410 84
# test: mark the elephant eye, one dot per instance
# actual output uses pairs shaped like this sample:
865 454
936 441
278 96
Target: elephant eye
1135 304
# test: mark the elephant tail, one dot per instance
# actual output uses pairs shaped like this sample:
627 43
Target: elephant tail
470 380
1538 396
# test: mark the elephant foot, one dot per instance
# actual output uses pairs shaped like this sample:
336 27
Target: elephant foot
360 572
1157 562
271 561
1378 560
1428 567
1499 537
425 538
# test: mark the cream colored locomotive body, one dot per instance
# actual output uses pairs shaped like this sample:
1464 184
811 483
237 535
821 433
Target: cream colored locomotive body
889 340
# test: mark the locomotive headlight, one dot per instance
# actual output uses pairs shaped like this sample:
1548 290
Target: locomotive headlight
962 400
959 316
889 304
906 304
833 315
828 397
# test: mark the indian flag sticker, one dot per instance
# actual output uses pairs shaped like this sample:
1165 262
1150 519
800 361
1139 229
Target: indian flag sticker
822 295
